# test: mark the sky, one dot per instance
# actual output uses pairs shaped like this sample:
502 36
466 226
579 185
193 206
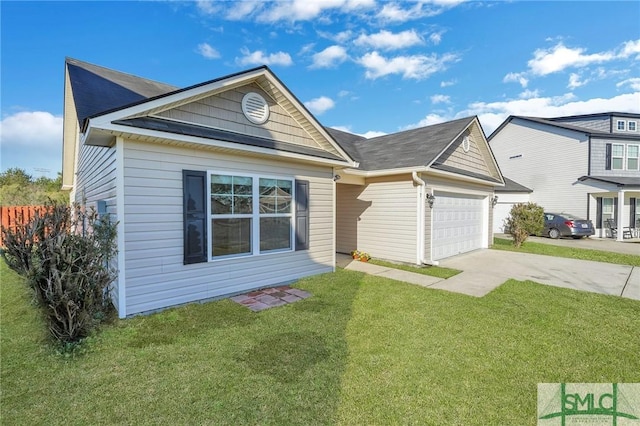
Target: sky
369 67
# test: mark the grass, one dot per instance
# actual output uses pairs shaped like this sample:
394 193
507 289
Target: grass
362 350
569 252
434 271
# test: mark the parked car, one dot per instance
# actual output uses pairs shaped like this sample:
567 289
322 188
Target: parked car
558 225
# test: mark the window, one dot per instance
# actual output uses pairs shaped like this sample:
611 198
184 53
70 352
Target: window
636 216
620 125
617 156
607 209
275 214
632 157
231 215
631 126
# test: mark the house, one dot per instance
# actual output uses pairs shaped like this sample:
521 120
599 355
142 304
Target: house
417 196
507 196
230 185
585 165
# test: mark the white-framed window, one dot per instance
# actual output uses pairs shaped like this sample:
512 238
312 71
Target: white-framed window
617 156
632 157
621 125
607 209
632 126
249 214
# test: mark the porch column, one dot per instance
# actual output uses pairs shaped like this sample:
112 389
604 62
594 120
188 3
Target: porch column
619 220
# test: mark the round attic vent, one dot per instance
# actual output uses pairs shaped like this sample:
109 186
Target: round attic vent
255 108
466 143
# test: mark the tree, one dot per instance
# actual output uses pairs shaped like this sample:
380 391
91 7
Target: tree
18 188
525 219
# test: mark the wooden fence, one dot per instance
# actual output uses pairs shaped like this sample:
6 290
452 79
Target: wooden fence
13 216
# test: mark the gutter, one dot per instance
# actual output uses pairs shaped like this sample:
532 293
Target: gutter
420 222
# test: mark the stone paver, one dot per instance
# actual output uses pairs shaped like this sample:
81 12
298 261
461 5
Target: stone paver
259 300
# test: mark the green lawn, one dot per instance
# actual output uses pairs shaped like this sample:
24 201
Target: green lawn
570 252
434 271
361 350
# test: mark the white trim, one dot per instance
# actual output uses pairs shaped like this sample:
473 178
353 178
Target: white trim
122 293
214 143
626 160
385 172
624 126
420 222
621 213
614 157
334 218
458 176
635 126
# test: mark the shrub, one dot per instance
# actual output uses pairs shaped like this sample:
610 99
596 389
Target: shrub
525 219
65 254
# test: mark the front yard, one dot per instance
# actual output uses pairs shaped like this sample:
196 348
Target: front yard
361 350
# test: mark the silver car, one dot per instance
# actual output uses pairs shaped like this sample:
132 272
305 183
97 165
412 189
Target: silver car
558 225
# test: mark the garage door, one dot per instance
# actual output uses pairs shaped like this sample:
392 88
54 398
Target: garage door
457 224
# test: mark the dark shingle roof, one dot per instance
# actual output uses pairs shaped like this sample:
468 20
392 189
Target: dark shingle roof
616 180
411 148
512 186
97 89
222 135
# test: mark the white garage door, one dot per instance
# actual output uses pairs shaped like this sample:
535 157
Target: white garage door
457 224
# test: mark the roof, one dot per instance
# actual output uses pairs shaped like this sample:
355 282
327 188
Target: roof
410 148
170 126
573 127
615 180
97 89
512 186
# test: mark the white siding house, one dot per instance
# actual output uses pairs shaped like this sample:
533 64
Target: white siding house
585 165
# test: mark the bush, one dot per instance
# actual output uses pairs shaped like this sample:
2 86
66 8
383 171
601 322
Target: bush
525 219
65 254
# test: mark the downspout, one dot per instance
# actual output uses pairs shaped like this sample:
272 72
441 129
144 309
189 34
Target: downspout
420 218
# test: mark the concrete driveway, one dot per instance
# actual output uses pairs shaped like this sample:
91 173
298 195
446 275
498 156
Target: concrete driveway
629 246
484 270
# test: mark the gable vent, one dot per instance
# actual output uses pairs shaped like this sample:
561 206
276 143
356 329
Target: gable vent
255 108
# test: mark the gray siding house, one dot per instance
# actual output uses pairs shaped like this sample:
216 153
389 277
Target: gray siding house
586 165
231 185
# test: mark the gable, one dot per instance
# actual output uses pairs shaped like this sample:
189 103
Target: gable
223 111
476 158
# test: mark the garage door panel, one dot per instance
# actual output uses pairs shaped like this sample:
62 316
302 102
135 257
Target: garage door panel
457 224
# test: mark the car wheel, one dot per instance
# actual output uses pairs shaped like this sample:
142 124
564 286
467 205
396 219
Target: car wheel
554 233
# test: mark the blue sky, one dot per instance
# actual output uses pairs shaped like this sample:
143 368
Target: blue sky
365 66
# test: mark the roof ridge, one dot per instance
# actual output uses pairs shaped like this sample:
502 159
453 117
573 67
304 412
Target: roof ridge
87 65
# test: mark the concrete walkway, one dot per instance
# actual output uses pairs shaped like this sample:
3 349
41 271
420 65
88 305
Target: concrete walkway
628 246
484 270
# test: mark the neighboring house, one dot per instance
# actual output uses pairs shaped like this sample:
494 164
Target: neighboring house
417 196
507 196
585 165
230 185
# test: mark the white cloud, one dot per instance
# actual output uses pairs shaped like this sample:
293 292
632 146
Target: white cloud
343 93
329 57
31 140
394 12
630 48
633 83
575 81
305 10
436 38
416 67
371 134
492 114
320 105
260 58
517 78
527 94
428 120
387 40
207 51
243 9
560 57
447 83
440 99
207 7
32 129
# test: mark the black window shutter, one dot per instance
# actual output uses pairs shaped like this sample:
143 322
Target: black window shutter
607 165
615 212
194 185
302 215
599 212
632 213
